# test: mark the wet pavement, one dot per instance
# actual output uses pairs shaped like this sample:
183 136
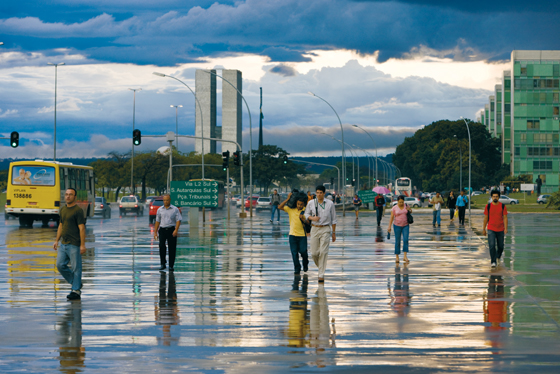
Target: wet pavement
233 304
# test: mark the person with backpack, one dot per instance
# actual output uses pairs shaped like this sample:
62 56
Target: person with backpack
297 236
379 204
462 201
275 202
496 220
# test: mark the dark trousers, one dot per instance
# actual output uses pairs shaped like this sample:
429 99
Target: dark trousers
451 213
166 234
493 237
462 210
379 215
298 246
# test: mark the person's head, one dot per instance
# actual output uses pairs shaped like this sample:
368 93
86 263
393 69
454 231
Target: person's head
495 194
356 196
22 173
166 200
300 205
70 195
451 193
400 201
462 192
437 194
320 191
276 192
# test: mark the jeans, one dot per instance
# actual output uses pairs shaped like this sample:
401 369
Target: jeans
451 213
298 246
73 275
437 217
462 210
166 234
494 236
379 215
401 230
274 210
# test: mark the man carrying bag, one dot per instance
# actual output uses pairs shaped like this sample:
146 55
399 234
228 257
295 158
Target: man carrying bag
379 205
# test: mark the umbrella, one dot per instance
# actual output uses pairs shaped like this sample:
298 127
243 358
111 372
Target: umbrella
380 189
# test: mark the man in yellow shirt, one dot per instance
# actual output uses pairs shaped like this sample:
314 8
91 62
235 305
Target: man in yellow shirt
297 235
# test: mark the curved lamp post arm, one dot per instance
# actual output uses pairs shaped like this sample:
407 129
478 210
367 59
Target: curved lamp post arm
374 144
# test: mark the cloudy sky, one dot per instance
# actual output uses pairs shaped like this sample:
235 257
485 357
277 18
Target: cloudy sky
388 66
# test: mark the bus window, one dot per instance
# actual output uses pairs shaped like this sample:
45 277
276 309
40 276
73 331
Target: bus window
71 178
62 180
33 175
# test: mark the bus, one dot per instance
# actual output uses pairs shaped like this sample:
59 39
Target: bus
36 190
403 186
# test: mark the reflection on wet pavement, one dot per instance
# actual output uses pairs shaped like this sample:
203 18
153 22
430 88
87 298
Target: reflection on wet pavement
234 305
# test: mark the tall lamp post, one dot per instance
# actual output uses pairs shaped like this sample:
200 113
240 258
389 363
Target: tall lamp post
470 193
55 92
133 127
199 108
375 145
176 126
343 157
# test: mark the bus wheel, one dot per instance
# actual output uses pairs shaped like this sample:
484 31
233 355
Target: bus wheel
45 222
25 222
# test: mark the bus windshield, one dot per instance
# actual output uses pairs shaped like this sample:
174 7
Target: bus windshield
403 182
33 175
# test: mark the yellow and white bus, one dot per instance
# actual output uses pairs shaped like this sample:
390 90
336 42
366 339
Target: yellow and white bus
36 190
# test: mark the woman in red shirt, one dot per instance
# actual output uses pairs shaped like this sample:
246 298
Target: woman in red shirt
398 214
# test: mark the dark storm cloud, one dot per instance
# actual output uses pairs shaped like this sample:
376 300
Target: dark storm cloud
284 70
283 30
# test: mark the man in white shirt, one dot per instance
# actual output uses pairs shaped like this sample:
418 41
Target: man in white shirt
321 212
168 220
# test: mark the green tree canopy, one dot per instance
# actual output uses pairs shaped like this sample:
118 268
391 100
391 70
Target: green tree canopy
431 156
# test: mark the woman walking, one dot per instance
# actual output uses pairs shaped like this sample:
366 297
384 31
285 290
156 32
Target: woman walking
398 214
357 203
451 204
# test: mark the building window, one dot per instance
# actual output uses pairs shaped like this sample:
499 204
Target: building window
524 71
517 151
523 138
555 97
507 108
492 106
533 124
507 144
507 84
542 165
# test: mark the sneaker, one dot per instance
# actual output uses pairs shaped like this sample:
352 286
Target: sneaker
270 221
438 225
305 269
277 221
171 268
73 296
493 264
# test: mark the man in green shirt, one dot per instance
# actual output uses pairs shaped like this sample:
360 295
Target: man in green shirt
72 231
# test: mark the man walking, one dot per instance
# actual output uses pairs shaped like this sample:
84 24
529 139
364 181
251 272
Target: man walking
168 220
275 201
462 201
297 236
379 204
323 216
495 217
72 231
437 202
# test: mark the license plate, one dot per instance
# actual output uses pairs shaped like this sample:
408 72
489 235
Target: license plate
31 203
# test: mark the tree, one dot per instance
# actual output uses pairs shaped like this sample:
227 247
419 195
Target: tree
431 156
113 171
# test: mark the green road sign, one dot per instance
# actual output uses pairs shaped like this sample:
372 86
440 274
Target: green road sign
194 193
367 196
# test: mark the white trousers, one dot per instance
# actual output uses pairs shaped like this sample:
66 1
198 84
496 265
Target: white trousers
320 240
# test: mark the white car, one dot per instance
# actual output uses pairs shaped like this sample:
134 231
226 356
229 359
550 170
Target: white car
476 193
263 203
410 201
506 200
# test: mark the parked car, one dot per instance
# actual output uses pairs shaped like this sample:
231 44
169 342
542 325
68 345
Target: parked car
102 208
149 200
506 200
263 203
476 193
154 206
410 201
235 198
254 200
131 204
543 199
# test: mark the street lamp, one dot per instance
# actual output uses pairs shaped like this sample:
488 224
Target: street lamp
199 108
344 166
55 89
370 164
343 157
375 145
176 126
470 193
460 164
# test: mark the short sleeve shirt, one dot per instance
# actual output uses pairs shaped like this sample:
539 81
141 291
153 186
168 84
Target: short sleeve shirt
296 225
70 219
496 219
168 217
400 215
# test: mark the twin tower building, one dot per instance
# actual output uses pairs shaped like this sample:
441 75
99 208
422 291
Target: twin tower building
205 125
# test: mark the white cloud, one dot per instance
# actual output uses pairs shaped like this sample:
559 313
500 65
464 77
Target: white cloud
8 113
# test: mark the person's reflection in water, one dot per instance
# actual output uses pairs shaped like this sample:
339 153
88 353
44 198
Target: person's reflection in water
71 353
321 336
379 235
298 324
400 297
276 232
495 313
166 309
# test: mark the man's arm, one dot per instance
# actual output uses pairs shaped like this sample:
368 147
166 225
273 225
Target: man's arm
505 224
484 224
82 228
58 235
333 232
176 231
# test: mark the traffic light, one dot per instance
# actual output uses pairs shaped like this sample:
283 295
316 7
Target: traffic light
14 139
136 137
236 158
332 182
225 160
285 159
353 182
